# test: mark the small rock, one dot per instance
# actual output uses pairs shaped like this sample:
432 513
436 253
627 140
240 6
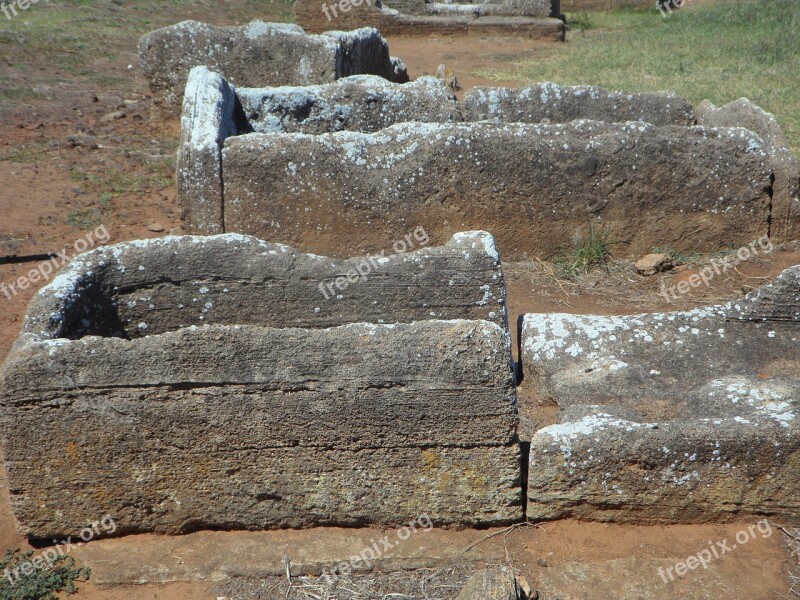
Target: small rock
541 562
112 116
654 263
112 101
492 584
400 71
155 228
78 141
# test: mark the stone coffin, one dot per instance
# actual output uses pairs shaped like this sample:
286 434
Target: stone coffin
259 54
537 19
785 221
533 186
207 383
678 417
550 102
347 166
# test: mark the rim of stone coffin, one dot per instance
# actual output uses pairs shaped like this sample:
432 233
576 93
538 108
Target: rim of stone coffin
45 318
400 132
258 28
547 336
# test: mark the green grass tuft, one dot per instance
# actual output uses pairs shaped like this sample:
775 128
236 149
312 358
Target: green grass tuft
581 21
84 218
587 252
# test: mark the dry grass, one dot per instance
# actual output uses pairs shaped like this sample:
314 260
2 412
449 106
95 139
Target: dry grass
442 583
792 537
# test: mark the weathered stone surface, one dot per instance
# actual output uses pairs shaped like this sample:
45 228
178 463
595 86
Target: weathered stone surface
669 417
242 427
527 18
208 117
400 71
491 584
364 103
553 103
213 110
502 8
247 422
150 287
532 186
786 189
257 54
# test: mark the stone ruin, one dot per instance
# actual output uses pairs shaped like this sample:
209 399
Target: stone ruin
540 19
533 166
191 383
680 417
259 54
786 186
232 394
225 382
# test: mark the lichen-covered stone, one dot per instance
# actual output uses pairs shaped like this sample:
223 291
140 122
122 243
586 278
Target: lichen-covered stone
213 110
669 417
208 117
364 103
249 421
532 186
154 286
524 18
785 224
243 427
553 103
257 54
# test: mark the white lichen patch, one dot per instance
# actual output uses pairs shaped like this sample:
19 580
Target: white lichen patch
596 426
773 401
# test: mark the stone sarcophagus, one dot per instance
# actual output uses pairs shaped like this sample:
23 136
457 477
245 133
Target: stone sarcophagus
348 165
259 53
525 18
681 417
214 383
